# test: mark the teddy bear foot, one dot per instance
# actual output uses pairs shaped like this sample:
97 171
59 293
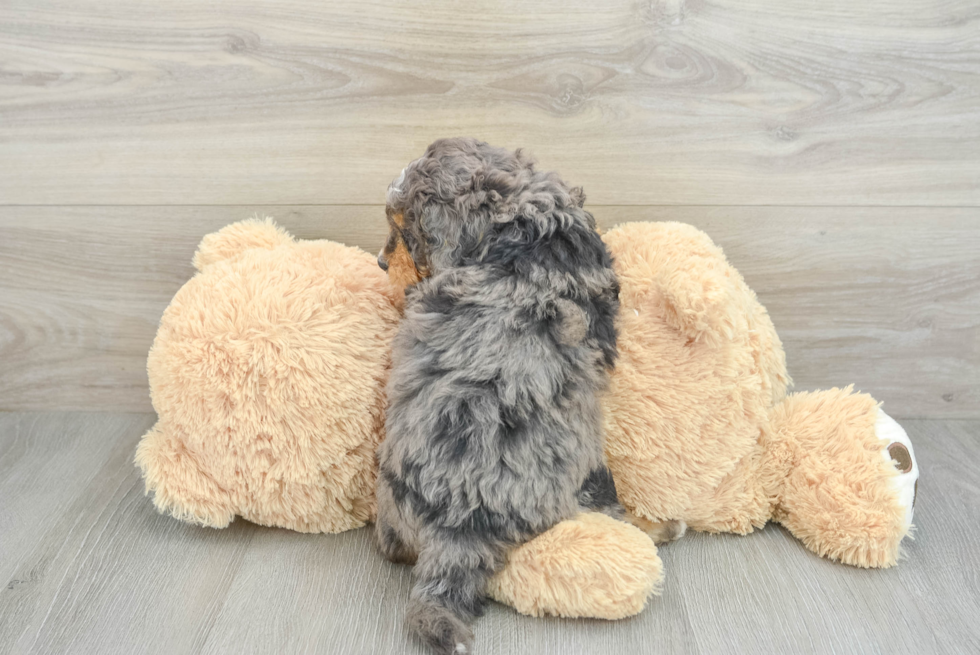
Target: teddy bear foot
849 493
590 566
898 452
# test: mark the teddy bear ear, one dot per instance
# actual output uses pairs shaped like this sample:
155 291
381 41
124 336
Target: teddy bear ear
234 239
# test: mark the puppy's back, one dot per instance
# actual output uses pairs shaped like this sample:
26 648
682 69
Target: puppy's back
493 424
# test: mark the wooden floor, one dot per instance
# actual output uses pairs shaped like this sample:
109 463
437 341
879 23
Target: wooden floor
88 566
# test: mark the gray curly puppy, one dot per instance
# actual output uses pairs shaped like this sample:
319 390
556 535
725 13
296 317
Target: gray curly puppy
493 423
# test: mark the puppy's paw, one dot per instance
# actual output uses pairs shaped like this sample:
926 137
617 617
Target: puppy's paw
439 629
400 554
674 530
660 532
392 546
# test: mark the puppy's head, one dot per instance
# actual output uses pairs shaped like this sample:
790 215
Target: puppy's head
445 209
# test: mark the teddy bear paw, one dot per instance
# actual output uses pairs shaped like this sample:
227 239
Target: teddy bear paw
899 454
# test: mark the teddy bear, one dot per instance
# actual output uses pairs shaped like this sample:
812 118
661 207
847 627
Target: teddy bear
268 372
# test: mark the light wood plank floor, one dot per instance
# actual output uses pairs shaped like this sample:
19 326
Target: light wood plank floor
88 566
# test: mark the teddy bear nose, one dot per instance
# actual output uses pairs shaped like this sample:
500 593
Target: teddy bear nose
382 262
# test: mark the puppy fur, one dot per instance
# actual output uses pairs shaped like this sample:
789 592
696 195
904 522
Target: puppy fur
493 423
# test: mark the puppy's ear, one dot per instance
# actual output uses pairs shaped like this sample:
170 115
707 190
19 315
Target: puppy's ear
578 196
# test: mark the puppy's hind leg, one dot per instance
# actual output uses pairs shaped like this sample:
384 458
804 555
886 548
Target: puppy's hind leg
598 494
389 530
391 545
661 531
450 590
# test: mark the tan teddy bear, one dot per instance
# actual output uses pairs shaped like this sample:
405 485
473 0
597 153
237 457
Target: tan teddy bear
268 372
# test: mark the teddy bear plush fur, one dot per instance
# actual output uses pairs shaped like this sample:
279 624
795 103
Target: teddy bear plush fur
268 374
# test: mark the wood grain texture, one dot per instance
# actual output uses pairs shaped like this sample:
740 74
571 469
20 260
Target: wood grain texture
656 102
87 566
885 298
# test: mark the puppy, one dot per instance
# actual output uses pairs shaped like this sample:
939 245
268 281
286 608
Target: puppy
494 429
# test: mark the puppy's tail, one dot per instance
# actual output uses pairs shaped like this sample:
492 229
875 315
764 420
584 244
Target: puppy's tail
451 577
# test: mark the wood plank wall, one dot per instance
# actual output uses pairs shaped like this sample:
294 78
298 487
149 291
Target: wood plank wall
832 149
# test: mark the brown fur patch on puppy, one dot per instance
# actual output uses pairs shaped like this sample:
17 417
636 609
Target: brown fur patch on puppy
401 267
396 257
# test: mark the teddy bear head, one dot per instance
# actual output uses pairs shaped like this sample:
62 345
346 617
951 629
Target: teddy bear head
267 374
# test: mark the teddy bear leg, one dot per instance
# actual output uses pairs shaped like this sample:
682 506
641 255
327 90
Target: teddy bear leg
179 486
591 566
849 493
899 453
